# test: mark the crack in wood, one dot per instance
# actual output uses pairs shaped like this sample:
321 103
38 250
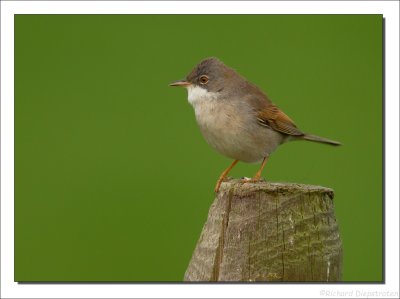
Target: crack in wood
221 243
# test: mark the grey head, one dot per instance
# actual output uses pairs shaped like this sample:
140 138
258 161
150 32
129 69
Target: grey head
210 74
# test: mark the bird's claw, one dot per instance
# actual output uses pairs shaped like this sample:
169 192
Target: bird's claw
251 180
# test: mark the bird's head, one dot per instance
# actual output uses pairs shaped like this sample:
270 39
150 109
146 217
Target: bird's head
207 80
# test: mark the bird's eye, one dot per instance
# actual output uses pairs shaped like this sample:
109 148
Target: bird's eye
204 79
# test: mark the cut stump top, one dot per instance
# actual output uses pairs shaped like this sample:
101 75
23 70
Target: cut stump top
236 185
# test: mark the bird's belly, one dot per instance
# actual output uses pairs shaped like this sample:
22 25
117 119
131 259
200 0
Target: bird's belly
234 135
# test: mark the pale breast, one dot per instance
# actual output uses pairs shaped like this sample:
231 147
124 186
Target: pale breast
233 131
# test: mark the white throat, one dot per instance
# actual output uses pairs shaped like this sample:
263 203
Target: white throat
198 95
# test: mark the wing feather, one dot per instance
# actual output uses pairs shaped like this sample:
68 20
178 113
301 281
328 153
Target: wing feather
272 117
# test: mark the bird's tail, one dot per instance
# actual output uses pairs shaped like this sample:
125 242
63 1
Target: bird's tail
320 139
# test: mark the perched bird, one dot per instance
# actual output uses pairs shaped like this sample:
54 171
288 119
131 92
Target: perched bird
236 117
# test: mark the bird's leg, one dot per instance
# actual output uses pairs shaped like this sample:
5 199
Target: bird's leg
223 175
258 174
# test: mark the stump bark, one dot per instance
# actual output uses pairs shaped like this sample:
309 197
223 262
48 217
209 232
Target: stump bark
269 232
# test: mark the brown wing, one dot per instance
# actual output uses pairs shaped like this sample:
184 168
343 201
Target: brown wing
274 118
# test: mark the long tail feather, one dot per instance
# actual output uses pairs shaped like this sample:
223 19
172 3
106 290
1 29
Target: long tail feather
320 139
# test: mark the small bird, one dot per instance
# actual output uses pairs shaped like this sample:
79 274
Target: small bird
236 117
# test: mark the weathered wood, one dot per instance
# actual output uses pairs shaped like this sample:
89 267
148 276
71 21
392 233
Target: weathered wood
269 232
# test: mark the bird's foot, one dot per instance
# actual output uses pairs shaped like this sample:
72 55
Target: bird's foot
255 179
243 180
216 189
219 182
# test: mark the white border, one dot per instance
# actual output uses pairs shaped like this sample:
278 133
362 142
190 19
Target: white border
10 289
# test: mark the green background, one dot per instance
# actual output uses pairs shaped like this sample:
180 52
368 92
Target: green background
113 180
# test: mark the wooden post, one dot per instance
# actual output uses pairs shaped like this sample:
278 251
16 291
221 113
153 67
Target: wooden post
269 232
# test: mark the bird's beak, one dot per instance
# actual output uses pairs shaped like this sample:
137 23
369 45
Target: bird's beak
182 83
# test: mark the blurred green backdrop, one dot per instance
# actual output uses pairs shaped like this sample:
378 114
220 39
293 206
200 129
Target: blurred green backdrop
113 180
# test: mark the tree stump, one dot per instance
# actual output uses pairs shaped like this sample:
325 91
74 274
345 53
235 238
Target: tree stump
269 232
